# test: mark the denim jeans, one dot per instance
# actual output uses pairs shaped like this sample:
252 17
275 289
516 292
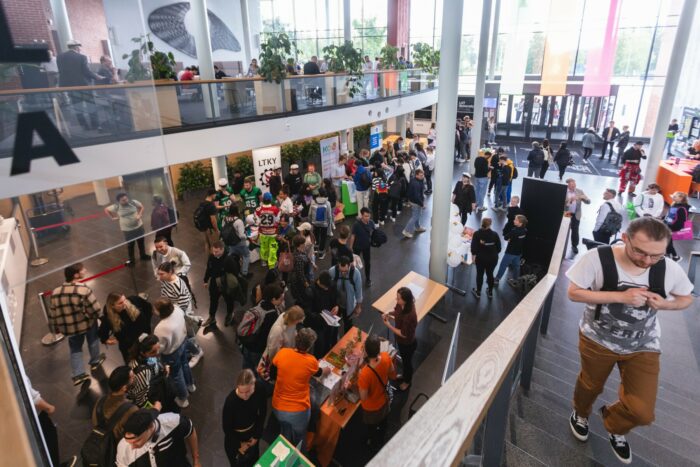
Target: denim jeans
512 261
480 186
414 221
501 192
180 373
293 425
243 251
75 344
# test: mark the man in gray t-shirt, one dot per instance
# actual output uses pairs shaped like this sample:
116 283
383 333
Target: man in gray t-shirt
620 327
129 213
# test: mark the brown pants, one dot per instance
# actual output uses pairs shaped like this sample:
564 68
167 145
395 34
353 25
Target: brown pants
210 236
639 374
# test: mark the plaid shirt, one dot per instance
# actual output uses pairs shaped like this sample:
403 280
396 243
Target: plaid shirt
73 309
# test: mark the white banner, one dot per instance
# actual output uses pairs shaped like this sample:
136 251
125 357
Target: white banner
265 161
329 156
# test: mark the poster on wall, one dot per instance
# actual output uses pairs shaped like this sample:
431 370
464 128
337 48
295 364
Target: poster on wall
329 155
375 137
265 161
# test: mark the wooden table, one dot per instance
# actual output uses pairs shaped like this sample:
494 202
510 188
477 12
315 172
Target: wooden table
431 294
672 177
331 421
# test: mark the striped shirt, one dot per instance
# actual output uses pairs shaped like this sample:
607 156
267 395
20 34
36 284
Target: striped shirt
73 309
143 374
178 293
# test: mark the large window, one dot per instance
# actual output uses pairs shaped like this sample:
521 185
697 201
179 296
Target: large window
369 20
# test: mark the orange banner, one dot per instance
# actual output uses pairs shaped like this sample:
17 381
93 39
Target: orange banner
559 48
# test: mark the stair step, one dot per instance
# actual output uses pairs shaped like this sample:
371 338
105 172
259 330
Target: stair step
663 422
685 411
649 442
513 456
597 448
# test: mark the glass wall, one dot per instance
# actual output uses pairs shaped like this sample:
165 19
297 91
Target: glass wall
369 21
646 31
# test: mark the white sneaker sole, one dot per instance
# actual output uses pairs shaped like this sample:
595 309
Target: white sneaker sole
579 437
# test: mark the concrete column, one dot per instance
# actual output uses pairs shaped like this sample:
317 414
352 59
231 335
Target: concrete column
101 193
494 40
401 125
202 41
60 17
673 75
481 78
446 111
246 32
347 21
218 165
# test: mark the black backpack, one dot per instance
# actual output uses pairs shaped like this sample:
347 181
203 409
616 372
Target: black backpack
378 238
515 173
229 234
100 447
201 218
612 222
657 275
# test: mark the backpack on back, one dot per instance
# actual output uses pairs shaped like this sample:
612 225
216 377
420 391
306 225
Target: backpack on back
319 215
515 173
100 447
378 238
250 325
365 178
396 187
229 234
201 219
612 222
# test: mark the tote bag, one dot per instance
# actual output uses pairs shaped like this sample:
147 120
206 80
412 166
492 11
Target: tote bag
686 233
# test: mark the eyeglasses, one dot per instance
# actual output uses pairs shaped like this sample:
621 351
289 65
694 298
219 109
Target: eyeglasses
643 254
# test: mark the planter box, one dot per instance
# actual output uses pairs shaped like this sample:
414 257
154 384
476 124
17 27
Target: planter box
268 97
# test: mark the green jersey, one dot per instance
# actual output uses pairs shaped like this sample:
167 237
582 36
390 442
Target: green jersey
223 199
251 199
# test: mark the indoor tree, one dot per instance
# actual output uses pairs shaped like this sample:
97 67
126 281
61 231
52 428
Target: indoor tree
346 59
162 64
273 57
426 58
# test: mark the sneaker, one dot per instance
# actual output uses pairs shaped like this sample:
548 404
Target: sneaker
182 403
476 293
380 223
322 255
407 234
229 320
495 282
196 358
489 294
80 379
145 257
420 230
621 448
482 209
368 283
100 360
513 283
574 249
393 219
579 426
211 320
676 258
191 388
631 195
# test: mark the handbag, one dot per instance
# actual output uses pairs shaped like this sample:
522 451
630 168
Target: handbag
192 323
686 233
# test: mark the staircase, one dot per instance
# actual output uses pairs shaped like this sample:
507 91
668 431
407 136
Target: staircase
538 432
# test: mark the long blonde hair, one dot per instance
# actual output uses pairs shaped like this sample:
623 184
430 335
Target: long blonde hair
113 315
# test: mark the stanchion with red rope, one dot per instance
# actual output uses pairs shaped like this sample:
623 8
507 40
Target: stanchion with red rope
54 337
38 260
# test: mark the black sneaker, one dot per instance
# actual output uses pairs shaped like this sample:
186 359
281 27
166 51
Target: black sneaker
621 448
211 320
476 293
100 360
80 379
229 320
489 294
579 426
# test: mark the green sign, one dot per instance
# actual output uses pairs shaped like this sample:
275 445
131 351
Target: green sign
281 453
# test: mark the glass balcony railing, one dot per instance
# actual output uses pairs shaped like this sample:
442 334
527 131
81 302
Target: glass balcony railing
99 114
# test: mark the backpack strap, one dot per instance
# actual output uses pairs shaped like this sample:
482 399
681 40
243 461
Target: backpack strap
657 278
100 412
612 209
117 415
607 262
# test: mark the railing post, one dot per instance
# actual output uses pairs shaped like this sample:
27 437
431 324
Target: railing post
495 430
529 352
546 311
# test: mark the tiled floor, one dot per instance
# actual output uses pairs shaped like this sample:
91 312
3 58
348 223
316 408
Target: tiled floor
49 371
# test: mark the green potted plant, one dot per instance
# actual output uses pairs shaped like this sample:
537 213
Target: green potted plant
427 59
390 61
273 58
162 64
242 164
195 177
346 59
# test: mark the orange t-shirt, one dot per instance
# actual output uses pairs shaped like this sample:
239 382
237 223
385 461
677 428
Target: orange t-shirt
367 380
294 371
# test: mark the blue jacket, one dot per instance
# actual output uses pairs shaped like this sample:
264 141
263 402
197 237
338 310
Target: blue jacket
415 192
357 178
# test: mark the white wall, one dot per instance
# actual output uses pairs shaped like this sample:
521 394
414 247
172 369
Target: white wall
126 19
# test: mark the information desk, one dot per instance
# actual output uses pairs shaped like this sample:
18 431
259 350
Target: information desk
391 139
672 177
333 418
282 453
426 293
349 206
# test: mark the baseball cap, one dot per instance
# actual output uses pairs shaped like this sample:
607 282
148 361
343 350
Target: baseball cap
466 174
267 196
223 182
294 166
305 226
73 43
139 421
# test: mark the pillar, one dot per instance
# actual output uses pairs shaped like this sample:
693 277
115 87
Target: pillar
481 78
60 17
673 74
347 21
246 32
401 125
494 40
202 41
446 111
218 165
101 193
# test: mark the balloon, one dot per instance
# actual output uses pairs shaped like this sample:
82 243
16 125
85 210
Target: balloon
453 259
463 249
454 210
453 242
456 228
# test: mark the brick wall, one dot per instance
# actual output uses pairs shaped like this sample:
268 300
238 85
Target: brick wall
28 21
89 26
